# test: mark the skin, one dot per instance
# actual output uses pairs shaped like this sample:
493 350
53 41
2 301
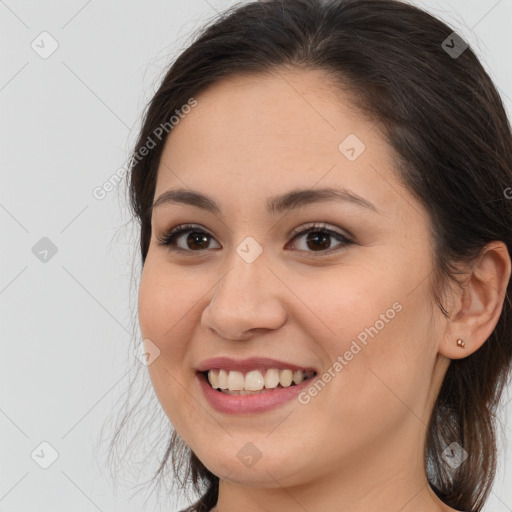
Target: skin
360 441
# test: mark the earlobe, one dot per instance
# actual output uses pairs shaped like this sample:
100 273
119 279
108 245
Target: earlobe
479 303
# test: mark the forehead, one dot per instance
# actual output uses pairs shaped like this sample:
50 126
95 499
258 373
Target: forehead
278 110
269 133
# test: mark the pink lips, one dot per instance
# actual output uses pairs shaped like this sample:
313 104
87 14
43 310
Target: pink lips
246 365
248 404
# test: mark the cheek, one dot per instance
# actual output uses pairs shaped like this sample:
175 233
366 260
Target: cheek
153 300
166 311
166 301
347 304
374 334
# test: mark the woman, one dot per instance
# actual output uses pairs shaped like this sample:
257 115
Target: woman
323 191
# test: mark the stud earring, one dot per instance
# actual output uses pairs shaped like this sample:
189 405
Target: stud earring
460 343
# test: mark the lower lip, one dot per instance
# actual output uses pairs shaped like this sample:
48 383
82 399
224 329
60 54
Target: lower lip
249 404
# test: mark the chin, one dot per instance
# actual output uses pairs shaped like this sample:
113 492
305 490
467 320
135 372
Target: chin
268 472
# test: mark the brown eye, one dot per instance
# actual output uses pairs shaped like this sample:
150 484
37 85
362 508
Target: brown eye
197 240
320 239
186 238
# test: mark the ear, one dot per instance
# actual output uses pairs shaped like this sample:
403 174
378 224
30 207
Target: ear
478 303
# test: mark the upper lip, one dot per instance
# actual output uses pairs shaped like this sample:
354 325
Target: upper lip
246 365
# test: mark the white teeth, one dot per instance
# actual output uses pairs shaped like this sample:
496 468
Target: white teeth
271 378
298 377
255 381
213 379
223 379
235 381
285 378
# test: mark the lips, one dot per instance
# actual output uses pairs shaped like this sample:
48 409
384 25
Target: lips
246 365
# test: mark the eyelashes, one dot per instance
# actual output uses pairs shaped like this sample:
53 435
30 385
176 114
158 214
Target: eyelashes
312 233
317 233
169 239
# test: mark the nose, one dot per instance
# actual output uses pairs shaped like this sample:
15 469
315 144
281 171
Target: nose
246 301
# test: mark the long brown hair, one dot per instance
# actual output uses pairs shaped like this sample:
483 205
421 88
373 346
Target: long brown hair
444 118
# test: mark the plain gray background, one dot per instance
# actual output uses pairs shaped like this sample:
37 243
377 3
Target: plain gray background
67 123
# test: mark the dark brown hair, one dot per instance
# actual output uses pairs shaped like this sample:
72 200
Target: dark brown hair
443 117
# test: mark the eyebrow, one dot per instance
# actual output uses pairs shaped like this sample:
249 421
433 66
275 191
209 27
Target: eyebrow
290 201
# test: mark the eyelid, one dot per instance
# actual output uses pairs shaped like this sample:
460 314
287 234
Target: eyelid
187 227
321 226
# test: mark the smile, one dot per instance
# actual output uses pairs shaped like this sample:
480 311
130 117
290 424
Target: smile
253 385
256 381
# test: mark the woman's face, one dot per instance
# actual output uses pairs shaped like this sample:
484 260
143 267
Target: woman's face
248 281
